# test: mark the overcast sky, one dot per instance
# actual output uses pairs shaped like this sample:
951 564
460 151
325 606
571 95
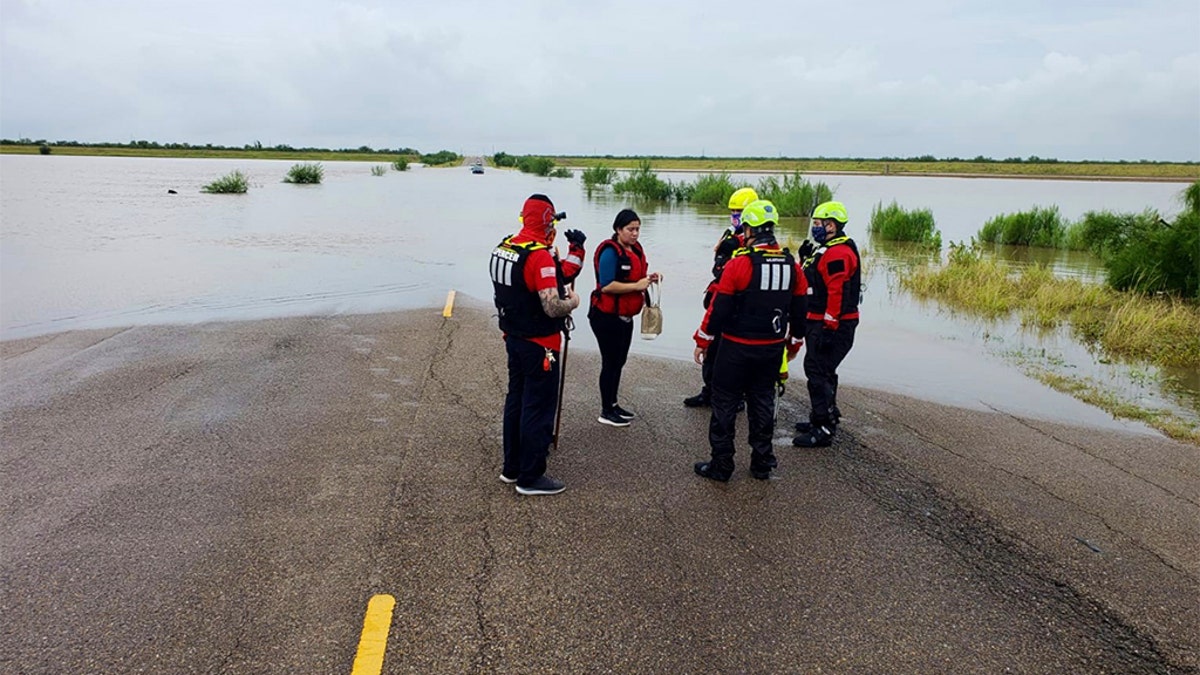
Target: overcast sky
1072 79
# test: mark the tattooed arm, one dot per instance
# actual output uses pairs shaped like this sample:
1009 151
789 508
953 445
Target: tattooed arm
554 306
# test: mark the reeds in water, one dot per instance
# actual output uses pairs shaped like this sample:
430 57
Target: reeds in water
234 182
895 223
644 183
305 174
598 175
794 195
1037 227
379 170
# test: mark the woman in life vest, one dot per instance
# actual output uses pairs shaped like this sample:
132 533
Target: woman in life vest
621 282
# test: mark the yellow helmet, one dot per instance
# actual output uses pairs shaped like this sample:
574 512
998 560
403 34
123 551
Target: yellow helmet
832 211
741 198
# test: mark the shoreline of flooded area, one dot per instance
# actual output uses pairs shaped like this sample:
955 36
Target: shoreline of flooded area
91 242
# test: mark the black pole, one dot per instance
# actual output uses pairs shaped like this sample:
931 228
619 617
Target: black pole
562 378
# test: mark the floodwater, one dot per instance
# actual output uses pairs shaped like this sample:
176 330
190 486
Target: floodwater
89 242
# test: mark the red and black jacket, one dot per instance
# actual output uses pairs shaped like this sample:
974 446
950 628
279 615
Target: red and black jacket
834 282
519 307
630 268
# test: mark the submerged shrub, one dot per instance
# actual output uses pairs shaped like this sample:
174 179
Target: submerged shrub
379 170
305 173
561 172
44 149
504 159
234 182
400 165
897 224
1036 227
598 175
538 166
793 196
440 157
713 188
1164 258
1104 232
643 182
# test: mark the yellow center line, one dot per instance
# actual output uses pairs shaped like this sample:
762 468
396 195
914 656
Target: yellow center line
449 305
373 643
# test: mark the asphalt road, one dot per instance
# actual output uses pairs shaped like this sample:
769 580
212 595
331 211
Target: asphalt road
226 498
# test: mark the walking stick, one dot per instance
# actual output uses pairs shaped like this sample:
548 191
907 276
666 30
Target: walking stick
562 378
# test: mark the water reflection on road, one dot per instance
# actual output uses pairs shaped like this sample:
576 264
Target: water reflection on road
89 242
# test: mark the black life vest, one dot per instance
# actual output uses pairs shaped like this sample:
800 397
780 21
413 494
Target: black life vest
629 268
818 290
762 309
519 307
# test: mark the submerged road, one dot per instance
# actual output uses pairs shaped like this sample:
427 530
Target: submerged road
226 498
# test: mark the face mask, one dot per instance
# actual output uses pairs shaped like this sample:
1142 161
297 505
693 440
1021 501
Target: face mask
819 234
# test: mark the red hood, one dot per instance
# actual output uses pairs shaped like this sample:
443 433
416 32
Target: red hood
537 219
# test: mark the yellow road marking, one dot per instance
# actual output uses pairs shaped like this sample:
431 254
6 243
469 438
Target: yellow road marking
449 305
373 643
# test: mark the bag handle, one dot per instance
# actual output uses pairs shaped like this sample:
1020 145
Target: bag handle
653 294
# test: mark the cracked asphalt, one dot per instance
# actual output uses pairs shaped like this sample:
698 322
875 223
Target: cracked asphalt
226 497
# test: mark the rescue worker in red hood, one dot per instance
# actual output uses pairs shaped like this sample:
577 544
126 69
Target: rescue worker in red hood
732 238
534 298
758 309
622 276
834 291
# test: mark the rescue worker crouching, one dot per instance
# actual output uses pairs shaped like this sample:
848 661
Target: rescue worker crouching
732 239
533 299
834 278
757 310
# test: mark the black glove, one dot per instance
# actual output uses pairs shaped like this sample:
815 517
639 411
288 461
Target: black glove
575 237
806 250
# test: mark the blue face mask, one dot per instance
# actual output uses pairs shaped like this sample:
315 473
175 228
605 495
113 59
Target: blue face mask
819 234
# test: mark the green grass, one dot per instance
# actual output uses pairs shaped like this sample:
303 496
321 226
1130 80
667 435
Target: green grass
1160 329
1170 171
793 195
308 173
895 223
379 170
234 182
1040 226
1089 392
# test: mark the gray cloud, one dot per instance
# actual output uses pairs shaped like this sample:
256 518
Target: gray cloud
1095 80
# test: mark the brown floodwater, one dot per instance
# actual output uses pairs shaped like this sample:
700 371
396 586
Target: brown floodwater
91 242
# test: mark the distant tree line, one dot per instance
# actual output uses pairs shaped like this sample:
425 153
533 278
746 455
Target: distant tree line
255 146
1032 159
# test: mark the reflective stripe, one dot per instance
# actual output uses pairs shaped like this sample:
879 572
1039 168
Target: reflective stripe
575 259
705 336
776 277
502 271
829 317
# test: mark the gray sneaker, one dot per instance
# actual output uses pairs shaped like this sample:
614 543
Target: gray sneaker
544 485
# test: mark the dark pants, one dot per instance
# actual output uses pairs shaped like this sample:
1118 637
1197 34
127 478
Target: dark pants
613 335
750 371
710 361
824 351
529 410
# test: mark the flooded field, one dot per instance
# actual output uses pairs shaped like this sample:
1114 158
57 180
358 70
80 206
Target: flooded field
90 242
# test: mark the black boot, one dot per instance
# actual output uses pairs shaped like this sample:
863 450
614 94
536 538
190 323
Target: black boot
701 400
815 437
707 470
